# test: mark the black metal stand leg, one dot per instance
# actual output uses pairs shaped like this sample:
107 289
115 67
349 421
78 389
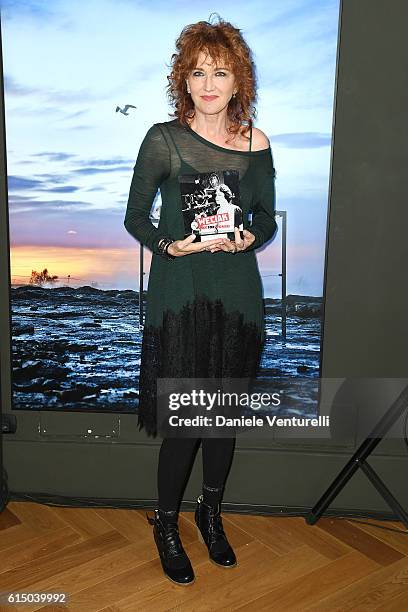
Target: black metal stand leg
358 460
384 492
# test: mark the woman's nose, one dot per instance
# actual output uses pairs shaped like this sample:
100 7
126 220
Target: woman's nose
209 85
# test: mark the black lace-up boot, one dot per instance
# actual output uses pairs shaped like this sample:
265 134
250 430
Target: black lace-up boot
211 533
175 562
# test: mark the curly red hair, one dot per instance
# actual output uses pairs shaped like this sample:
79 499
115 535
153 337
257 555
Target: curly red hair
222 42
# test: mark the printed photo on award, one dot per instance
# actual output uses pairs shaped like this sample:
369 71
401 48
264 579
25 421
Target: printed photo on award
211 204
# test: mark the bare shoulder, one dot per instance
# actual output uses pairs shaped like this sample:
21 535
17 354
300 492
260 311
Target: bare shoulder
259 140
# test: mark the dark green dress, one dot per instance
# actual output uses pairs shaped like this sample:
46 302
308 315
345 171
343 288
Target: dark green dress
204 312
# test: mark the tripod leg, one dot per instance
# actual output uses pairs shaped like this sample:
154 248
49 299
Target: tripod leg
384 492
358 459
333 490
341 479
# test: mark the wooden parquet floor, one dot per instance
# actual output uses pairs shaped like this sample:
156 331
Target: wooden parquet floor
106 559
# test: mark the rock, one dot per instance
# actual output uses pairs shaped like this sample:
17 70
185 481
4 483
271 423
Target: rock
17 330
86 324
78 393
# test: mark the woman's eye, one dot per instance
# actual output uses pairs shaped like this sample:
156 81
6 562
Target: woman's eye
197 73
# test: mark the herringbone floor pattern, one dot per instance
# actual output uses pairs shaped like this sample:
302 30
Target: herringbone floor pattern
106 559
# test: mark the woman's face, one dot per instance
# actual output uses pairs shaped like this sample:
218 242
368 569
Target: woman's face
220 199
211 86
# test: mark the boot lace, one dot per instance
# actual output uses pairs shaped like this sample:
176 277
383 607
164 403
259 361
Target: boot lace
215 527
172 539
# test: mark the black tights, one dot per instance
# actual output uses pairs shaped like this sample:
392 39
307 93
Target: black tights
176 457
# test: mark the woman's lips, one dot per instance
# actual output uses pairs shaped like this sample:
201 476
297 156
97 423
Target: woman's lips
209 98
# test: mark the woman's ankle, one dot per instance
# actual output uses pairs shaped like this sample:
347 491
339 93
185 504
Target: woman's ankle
212 495
167 516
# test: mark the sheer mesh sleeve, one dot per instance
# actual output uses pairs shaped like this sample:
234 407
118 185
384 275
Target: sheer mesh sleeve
264 224
151 169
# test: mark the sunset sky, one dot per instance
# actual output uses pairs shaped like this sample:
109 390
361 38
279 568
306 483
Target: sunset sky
70 156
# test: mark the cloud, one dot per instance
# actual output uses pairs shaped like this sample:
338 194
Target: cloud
37 9
301 15
20 198
53 177
101 161
74 115
89 171
62 189
61 182
17 205
18 182
53 224
111 161
55 156
13 88
302 140
54 96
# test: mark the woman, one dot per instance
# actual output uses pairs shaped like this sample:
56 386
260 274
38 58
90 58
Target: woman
215 282
225 204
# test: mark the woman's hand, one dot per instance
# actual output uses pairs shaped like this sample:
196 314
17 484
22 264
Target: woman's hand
178 248
240 244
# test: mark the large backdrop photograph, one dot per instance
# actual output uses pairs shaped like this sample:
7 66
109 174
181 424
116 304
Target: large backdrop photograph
83 83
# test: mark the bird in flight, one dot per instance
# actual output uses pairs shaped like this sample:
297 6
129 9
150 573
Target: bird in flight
123 111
